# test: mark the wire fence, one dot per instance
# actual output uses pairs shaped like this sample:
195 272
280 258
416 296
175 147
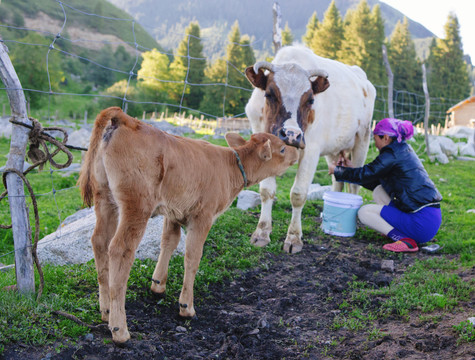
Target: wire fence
407 105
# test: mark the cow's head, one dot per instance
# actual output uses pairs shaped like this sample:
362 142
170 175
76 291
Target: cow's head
289 91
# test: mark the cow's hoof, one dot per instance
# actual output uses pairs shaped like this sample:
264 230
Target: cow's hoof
260 240
120 336
292 248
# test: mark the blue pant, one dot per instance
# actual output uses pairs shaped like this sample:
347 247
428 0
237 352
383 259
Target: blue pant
420 226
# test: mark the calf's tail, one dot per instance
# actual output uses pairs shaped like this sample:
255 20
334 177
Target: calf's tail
86 182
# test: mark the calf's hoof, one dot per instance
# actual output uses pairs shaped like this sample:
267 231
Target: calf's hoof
260 239
187 311
293 244
157 288
120 336
105 315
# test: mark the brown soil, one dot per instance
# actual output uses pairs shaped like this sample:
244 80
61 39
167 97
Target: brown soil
282 310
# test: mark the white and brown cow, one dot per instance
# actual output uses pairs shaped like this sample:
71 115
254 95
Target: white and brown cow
132 170
318 105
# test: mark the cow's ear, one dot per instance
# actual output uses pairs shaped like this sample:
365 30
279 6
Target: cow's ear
258 80
234 139
265 151
320 84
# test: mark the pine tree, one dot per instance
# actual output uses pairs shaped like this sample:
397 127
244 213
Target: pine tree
406 70
375 48
153 72
448 74
188 66
403 59
364 37
328 37
312 26
287 37
229 71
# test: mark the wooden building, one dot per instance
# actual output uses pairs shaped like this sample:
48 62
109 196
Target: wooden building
462 114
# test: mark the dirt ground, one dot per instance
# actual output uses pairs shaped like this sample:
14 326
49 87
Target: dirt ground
282 310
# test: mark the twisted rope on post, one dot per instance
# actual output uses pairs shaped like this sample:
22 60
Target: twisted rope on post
38 139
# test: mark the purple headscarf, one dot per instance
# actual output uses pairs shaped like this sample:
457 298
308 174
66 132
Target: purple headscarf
400 129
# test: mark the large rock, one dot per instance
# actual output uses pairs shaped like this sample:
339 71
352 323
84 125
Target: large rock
316 191
79 138
436 152
468 149
169 128
248 199
460 132
5 127
446 145
71 244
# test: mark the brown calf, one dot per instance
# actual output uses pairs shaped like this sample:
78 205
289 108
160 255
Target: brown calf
133 170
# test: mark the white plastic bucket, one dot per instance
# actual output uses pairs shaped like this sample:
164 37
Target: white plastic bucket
339 213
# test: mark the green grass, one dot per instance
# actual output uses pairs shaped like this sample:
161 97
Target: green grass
427 286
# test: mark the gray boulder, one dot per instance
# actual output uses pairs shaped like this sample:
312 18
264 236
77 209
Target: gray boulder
316 191
460 132
79 138
169 128
445 144
248 199
5 127
71 244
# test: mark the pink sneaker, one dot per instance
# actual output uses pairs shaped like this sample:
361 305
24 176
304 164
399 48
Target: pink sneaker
403 245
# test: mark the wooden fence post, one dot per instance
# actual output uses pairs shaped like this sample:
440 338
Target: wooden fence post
277 34
25 274
390 82
427 108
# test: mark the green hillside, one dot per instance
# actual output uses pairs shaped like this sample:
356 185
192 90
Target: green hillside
18 12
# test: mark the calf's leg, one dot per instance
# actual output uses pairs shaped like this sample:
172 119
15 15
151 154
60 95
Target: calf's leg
261 236
106 225
170 239
121 257
195 239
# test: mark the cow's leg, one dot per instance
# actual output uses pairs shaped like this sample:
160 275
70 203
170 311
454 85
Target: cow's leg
106 225
298 195
170 239
133 222
197 231
261 236
358 154
336 185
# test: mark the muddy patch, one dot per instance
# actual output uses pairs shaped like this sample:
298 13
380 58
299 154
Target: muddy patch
285 308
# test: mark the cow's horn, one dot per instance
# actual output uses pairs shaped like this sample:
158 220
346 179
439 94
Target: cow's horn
263 65
317 72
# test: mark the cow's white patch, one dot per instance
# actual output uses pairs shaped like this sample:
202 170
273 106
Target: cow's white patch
292 81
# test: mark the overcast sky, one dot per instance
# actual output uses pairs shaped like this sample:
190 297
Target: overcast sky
433 15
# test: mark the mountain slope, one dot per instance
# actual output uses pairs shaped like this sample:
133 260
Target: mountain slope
167 19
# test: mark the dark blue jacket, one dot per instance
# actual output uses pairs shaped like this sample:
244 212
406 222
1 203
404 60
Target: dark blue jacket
398 169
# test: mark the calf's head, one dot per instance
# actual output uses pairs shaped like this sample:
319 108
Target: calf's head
289 91
263 155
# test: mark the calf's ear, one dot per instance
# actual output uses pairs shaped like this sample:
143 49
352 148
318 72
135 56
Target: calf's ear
258 80
234 139
320 84
265 151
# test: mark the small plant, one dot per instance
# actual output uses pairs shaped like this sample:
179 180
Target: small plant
466 331
375 334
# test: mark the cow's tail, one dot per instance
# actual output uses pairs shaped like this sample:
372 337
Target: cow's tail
86 181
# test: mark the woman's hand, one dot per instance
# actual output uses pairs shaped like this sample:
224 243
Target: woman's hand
331 168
